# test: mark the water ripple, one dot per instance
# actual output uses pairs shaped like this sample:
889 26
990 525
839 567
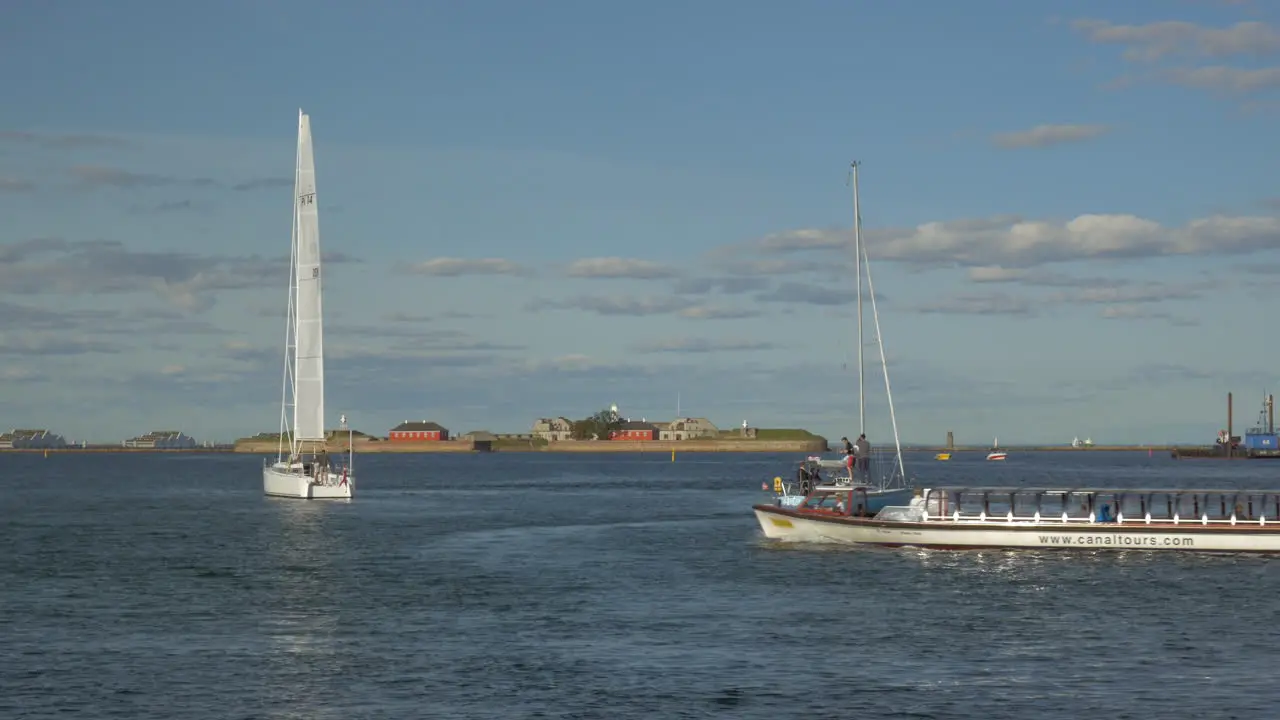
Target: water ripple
589 587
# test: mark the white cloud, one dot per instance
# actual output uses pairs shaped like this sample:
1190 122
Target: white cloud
52 344
616 267
1047 135
14 185
1135 293
1158 40
1138 312
20 374
702 345
979 304
615 304
54 266
1227 79
1015 242
454 267
708 312
996 274
60 140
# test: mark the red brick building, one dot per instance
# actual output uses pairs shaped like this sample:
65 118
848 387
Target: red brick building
635 430
418 431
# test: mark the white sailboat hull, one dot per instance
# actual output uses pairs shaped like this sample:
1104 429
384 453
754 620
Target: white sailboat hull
788 526
280 480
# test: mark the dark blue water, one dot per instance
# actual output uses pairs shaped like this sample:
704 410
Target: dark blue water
514 586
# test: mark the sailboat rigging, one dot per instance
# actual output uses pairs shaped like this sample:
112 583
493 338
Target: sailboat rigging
890 488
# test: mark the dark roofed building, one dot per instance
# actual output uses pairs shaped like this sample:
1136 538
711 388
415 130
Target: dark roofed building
418 431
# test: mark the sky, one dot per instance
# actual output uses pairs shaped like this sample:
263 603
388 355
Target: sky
534 209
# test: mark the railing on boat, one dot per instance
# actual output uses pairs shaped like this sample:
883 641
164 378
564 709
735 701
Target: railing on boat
1089 505
881 470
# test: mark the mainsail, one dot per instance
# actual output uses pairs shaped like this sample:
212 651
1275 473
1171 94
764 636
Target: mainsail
308 406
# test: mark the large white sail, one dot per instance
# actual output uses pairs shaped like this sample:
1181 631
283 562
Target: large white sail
308 408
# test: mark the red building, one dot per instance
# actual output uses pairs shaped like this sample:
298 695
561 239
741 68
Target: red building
418 432
633 430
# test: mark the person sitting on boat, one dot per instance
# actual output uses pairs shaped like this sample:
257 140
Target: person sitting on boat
1105 515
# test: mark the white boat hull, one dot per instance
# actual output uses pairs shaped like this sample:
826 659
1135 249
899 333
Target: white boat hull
787 525
278 481
996 456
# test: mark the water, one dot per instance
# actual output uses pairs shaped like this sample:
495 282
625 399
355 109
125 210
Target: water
519 586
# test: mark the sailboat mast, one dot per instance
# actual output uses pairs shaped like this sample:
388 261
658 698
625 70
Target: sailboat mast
297 279
857 262
291 319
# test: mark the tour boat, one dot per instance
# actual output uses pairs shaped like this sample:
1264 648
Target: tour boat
954 518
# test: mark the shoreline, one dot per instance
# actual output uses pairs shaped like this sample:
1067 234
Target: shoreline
597 447
566 446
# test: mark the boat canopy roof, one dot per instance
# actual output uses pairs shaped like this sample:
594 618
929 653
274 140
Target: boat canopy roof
1101 491
846 487
825 463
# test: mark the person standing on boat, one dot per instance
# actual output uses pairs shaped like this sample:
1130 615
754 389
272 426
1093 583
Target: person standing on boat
848 446
862 449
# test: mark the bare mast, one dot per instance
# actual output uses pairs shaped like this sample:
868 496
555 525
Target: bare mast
857 263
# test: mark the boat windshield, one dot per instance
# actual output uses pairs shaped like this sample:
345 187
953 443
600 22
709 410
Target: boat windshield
841 500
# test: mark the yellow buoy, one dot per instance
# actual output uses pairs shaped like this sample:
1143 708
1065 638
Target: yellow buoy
673 454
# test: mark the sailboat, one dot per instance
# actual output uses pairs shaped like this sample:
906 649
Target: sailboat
996 453
867 494
307 471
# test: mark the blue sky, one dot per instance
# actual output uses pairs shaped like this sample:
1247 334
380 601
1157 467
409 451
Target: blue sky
543 208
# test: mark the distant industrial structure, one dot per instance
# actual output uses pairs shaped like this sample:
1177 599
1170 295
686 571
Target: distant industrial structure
162 440
31 440
1260 441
